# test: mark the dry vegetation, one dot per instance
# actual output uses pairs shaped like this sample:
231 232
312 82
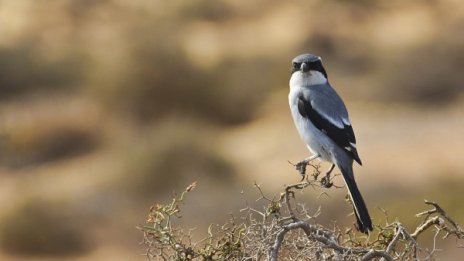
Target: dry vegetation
109 105
283 228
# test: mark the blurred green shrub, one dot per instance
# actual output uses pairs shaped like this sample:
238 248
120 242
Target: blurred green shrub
163 83
207 10
31 145
175 154
429 75
159 78
23 70
38 228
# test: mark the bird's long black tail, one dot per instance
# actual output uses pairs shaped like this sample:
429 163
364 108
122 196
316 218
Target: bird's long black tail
360 209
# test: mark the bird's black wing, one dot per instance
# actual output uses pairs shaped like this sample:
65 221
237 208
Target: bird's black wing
343 137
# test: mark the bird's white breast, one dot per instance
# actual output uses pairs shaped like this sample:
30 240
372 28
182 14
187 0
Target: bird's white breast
306 129
316 141
307 78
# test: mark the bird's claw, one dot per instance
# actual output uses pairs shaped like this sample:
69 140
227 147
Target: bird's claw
325 182
301 167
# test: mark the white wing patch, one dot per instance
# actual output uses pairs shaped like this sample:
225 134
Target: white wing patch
335 121
346 121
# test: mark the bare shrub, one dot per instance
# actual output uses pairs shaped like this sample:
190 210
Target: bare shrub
285 229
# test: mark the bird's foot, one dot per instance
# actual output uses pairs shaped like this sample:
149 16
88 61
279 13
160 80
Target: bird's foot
325 181
301 167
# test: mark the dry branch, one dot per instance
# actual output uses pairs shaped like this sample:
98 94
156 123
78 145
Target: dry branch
286 230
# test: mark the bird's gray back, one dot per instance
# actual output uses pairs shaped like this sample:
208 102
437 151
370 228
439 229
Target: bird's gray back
325 100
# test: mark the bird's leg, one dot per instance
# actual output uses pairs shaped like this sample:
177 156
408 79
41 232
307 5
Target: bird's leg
325 181
301 166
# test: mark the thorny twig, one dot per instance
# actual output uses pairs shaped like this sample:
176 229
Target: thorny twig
439 221
326 238
285 230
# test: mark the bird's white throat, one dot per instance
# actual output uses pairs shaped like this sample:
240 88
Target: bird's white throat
307 79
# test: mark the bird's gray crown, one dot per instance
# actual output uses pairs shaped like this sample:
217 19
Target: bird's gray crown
306 62
306 58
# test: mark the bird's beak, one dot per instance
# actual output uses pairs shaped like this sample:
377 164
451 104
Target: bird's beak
304 67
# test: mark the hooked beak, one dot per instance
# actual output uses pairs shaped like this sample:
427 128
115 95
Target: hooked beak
304 67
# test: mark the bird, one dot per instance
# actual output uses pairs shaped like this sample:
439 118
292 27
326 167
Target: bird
322 121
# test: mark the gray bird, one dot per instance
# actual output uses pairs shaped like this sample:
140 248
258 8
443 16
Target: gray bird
322 121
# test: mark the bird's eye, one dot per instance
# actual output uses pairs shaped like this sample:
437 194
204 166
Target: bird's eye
316 66
295 66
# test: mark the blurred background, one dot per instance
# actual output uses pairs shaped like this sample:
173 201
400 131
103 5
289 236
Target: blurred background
108 106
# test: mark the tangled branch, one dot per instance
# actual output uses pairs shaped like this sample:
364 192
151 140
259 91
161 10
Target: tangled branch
285 229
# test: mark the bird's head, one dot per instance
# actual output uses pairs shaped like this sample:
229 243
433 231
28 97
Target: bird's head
307 69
